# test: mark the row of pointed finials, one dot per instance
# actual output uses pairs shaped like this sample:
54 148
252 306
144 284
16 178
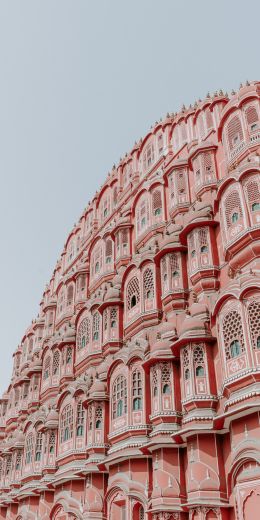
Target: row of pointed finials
217 93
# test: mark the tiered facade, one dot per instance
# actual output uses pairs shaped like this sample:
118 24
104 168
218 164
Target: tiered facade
135 393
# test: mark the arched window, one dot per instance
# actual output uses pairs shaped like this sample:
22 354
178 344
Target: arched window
66 423
233 208
109 251
113 318
233 334
148 281
198 361
252 188
254 323
52 442
133 293
46 371
96 260
56 363
174 266
160 143
29 449
95 326
83 333
148 156
203 240
98 417
70 291
252 118
119 397
69 356
38 447
234 132
80 419
209 118
115 191
60 304
186 363
18 462
157 203
166 378
142 214
137 390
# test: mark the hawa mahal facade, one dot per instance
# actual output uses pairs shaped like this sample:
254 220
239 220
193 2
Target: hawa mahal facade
135 393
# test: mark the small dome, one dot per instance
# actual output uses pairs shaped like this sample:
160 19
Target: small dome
112 294
197 309
70 334
52 420
161 347
193 326
98 387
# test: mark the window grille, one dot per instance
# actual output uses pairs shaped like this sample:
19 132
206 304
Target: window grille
90 417
203 240
160 143
8 465
70 295
38 446
119 397
46 371
183 131
165 377
137 390
29 449
80 419
233 332
172 189
174 263
109 250
141 513
201 125
115 196
157 202
209 118
254 323
83 333
98 417
154 371
251 115
124 237
52 442
95 326
181 183
18 462
105 319
56 362
185 357
69 356
252 191
208 165
148 284
234 132
133 293
113 317
66 424
232 205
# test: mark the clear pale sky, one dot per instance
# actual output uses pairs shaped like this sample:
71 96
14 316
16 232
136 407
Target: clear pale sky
79 82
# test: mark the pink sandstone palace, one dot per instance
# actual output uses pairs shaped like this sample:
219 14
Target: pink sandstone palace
135 393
